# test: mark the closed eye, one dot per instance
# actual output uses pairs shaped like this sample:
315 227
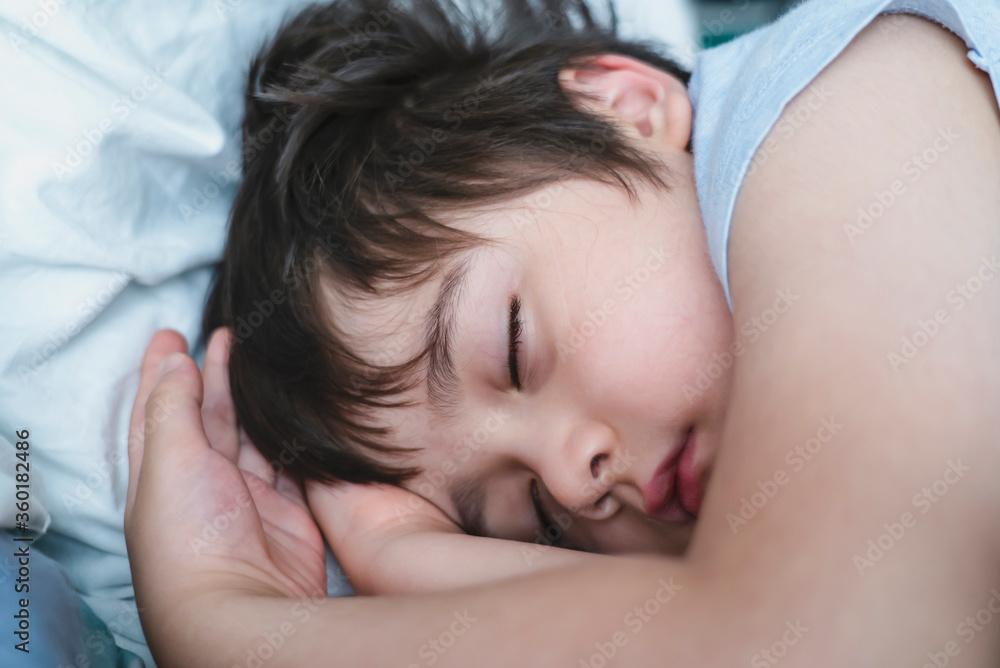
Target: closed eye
548 528
514 325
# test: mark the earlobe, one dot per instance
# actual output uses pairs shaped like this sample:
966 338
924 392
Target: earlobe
649 102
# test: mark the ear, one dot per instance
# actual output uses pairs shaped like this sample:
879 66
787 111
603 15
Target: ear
649 102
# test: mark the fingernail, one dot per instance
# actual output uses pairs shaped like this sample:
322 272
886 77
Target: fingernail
169 363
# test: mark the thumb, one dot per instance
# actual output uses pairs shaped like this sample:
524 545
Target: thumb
174 427
163 343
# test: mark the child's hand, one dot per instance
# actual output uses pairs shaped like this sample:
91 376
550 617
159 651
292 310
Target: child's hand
391 541
204 511
362 523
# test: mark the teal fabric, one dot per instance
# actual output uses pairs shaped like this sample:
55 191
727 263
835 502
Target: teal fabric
62 631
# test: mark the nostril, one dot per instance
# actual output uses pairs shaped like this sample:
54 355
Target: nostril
595 464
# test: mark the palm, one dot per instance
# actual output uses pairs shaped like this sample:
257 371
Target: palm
360 520
294 543
239 517
212 504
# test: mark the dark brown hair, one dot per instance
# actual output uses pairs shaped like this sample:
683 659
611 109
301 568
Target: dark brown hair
365 122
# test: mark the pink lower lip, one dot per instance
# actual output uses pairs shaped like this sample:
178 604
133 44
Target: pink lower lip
674 493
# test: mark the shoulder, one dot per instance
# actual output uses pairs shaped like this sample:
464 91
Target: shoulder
903 111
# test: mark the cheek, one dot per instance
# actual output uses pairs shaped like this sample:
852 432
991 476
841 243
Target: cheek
434 453
662 334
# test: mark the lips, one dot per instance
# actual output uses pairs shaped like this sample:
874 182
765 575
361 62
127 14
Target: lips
674 493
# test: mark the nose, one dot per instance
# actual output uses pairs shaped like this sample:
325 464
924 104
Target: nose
579 475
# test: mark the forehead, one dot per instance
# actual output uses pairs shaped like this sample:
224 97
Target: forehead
389 329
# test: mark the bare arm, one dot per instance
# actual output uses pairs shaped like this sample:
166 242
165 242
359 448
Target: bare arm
392 542
913 466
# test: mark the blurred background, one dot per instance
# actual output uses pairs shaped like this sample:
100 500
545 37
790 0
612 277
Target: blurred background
719 21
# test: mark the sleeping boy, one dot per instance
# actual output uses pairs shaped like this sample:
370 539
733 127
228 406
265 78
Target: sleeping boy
502 316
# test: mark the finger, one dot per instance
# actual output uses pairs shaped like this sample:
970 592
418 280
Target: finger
174 430
163 343
217 411
251 460
332 513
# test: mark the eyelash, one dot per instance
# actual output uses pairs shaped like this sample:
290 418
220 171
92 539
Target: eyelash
543 521
514 324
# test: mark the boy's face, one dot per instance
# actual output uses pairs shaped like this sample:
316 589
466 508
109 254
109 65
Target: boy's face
609 400
620 313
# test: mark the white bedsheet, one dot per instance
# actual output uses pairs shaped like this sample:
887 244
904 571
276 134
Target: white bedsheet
118 140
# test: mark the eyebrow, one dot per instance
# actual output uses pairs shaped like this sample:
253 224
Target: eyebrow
468 497
442 380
